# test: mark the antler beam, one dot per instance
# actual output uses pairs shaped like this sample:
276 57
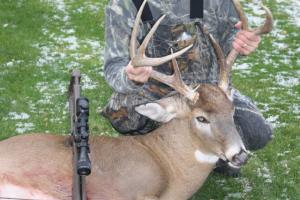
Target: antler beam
224 70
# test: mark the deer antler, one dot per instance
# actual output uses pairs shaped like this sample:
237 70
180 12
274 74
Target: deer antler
175 81
264 29
140 59
224 70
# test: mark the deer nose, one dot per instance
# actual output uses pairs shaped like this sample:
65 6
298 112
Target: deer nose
240 159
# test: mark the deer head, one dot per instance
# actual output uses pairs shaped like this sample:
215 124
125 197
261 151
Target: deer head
208 109
210 119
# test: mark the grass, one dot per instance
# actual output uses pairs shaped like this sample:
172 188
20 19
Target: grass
41 41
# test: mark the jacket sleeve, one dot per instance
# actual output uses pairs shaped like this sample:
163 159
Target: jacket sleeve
227 18
119 18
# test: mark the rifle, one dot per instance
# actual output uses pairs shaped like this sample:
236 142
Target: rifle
79 113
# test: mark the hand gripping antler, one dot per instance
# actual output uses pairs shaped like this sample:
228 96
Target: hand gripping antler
139 59
264 29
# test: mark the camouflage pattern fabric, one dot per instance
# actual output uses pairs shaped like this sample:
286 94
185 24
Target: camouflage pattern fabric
198 65
219 18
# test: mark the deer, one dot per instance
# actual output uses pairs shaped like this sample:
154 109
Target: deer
170 163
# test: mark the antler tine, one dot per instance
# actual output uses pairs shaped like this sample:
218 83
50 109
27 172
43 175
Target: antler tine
141 50
264 29
177 73
146 61
132 48
175 81
224 71
268 25
242 16
140 59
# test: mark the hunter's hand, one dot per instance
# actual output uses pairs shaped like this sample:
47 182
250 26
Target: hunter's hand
138 74
245 41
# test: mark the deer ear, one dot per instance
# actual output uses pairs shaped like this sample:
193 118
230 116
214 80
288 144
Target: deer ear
157 112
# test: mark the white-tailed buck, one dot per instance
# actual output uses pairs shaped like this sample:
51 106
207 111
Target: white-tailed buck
170 163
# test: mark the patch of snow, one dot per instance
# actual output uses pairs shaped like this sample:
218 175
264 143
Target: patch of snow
69 31
94 7
284 164
292 10
24 127
42 86
242 66
60 87
272 119
70 40
279 34
57 51
79 10
46 56
236 195
279 45
66 18
13 63
18 116
60 5
50 90
286 81
73 65
295 108
264 172
47 99
87 83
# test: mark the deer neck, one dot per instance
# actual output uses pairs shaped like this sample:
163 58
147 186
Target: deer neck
174 144
169 135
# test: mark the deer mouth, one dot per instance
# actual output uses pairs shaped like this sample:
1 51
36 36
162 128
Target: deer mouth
239 159
234 165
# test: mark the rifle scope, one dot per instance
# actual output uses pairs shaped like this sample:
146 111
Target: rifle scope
84 163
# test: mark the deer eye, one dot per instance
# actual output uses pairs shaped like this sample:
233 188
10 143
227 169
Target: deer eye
202 120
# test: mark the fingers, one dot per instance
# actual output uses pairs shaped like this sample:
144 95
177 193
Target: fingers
138 74
246 42
238 25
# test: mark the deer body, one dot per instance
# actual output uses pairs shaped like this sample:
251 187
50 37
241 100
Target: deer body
39 166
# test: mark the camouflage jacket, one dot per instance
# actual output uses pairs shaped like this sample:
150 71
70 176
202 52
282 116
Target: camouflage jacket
219 18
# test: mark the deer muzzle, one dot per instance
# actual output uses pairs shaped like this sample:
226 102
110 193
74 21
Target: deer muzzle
239 159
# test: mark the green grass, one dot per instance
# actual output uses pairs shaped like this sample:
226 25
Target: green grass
41 41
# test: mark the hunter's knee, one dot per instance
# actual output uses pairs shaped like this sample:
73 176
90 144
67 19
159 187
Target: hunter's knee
255 131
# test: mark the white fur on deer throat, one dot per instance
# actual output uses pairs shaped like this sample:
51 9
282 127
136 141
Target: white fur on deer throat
205 158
